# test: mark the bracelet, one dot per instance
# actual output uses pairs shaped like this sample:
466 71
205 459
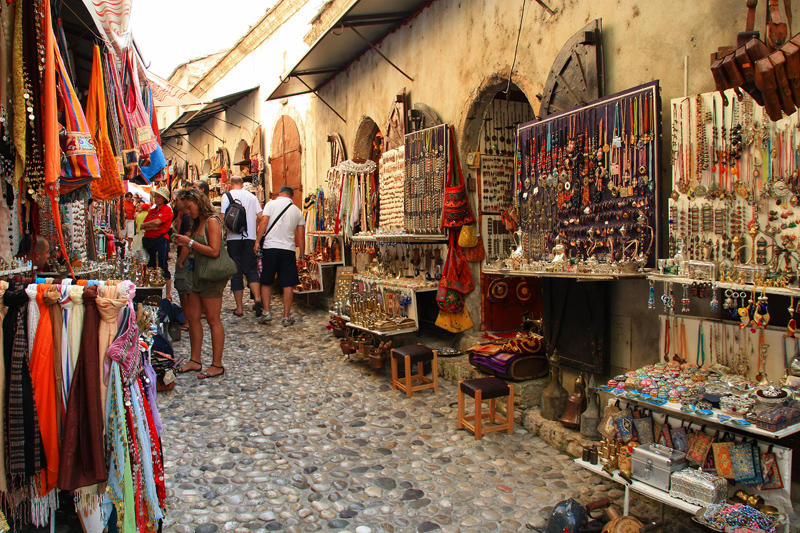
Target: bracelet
191 243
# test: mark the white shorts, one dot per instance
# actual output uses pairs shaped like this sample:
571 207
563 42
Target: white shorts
130 228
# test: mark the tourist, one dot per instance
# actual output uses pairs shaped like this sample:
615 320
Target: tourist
183 263
202 186
205 239
283 224
130 216
241 246
156 226
41 253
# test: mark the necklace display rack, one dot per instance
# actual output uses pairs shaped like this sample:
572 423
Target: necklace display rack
426 156
587 189
734 220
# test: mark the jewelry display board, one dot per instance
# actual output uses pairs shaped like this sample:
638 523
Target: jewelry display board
392 172
426 156
497 191
587 179
497 238
342 288
735 189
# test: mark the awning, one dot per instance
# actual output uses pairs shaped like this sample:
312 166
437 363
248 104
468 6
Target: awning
191 120
362 26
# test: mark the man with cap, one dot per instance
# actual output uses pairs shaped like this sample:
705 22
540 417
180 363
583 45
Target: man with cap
156 228
283 224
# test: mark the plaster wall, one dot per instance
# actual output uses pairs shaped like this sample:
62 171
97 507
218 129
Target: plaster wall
453 48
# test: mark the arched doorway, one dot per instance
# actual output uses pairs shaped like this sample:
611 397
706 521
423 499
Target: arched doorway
369 141
284 159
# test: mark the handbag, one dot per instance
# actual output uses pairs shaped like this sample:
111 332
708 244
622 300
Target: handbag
456 274
449 300
477 253
217 268
454 322
468 237
456 211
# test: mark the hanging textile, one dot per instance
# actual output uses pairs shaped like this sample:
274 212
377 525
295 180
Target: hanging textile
3 370
109 186
82 449
151 158
109 305
78 146
43 379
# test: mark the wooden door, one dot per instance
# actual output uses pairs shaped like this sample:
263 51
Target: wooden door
284 159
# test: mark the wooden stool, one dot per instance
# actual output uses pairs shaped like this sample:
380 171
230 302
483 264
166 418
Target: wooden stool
419 354
485 389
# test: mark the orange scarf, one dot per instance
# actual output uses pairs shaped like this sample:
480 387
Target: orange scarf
44 392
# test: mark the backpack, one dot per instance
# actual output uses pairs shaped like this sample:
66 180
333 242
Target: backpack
235 216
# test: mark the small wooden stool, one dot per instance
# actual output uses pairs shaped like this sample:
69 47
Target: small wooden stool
485 389
419 354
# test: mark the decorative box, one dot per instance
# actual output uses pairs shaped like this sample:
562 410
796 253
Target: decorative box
654 464
773 419
698 487
700 270
736 404
750 273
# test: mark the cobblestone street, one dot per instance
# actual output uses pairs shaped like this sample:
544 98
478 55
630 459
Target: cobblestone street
296 438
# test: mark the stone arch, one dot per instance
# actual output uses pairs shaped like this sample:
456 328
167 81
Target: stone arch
472 121
365 134
242 152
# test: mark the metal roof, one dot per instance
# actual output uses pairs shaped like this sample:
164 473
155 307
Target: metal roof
362 26
191 120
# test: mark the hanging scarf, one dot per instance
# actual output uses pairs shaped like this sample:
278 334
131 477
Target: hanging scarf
76 320
109 306
155 440
119 490
67 368
3 309
44 388
82 449
25 456
51 297
151 389
109 186
150 511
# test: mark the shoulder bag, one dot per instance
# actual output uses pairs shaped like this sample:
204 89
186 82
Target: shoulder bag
277 218
214 268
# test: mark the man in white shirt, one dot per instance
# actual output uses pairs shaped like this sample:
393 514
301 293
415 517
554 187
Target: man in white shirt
241 245
283 224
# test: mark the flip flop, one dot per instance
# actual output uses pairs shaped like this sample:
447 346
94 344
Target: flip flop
206 375
237 314
183 366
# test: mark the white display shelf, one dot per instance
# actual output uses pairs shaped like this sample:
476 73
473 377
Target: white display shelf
675 410
397 284
334 313
400 237
384 333
579 276
12 271
680 280
315 291
331 263
642 488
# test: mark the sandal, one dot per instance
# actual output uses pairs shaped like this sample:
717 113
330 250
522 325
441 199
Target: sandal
237 314
206 375
183 369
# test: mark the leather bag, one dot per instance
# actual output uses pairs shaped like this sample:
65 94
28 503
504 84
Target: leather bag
214 268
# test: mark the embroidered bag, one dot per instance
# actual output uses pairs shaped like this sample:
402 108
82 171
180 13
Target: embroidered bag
722 459
664 436
454 322
699 447
624 422
742 460
109 186
644 429
77 145
449 300
679 439
607 426
456 274
770 472
456 211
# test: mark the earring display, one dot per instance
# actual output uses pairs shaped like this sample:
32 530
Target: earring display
735 191
392 172
587 183
497 192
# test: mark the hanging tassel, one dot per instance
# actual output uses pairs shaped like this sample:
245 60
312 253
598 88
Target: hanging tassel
42 506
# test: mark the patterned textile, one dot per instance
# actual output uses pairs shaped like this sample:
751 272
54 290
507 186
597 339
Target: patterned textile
722 459
679 439
644 429
742 459
699 447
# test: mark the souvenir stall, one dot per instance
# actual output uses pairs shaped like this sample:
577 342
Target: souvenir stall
718 401
62 160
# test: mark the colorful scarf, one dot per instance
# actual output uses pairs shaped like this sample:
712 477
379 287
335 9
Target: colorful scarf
44 388
119 490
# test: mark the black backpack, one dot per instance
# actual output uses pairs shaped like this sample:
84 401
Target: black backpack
235 216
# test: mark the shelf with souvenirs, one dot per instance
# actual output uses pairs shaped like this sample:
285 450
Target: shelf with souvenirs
586 192
724 398
733 219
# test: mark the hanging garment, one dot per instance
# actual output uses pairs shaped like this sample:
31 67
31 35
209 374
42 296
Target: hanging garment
52 295
109 306
151 158
119 489
78 146
109 186
82 447
25 457
43 379
3 309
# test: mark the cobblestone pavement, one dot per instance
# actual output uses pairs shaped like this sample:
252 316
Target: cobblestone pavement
295 438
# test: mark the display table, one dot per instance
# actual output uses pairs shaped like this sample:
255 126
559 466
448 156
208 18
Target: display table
579 276
724 285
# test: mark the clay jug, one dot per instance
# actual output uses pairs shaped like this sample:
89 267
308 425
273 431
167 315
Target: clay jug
575 406
554 397
591 416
